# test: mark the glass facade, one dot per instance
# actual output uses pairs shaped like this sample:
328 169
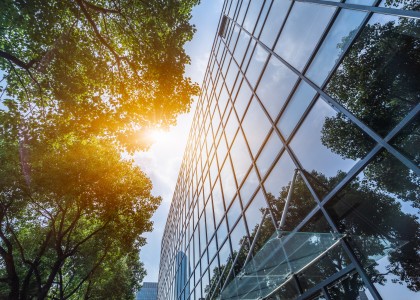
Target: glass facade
148 291
300 179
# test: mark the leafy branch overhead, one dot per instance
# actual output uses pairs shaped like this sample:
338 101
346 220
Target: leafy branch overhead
109 66
80 80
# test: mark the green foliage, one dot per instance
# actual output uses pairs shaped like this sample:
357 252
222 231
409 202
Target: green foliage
81 81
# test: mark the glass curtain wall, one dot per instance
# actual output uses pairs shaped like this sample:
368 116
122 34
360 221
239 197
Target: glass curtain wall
305 139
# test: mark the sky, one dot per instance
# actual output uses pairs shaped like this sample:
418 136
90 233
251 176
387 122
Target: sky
163 160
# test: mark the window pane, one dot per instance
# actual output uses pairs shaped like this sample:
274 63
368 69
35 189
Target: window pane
322 143
379 209
275 86
269 153
382 91
274 20
295 108
343 30
240 158
254 133
259 57
303 29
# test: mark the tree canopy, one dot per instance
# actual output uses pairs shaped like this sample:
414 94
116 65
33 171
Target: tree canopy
81 83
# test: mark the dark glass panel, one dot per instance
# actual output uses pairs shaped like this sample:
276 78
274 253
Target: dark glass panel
328 144
255 126
408 141
378 79
275 86
379 210
351 287
303 29
295 108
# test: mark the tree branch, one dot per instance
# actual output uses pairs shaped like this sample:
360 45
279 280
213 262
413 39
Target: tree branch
17 61
100 8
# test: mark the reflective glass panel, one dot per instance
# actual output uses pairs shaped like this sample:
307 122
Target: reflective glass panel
275 86
274 20
255 126
295 109
269 153
380 211
249 187
303 29
327 144
385 88
240 158
343 30
259 57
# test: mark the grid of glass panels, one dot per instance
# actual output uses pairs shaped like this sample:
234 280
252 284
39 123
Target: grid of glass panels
319 100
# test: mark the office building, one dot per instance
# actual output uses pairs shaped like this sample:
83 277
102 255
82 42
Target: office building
148 291
300 178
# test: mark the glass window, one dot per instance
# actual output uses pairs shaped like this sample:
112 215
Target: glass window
218 205
252 15
238 233
253 213
249 186
274 20
343 30
255 126
231 127
209 218
234 212
328 144
385 88
228 181
269 153
241 46
380 211
242 11
302 31
222 232
259 57
231 75
408 141
295 109
242 100
275 86
240 158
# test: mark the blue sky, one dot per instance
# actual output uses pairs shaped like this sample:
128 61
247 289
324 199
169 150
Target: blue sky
163 160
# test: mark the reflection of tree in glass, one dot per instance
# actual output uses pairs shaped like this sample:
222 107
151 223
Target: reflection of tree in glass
367 214
378 82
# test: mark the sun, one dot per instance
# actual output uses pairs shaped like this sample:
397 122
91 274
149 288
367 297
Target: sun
156 134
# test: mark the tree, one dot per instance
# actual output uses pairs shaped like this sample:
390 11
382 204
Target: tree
82 82
84 206
113 67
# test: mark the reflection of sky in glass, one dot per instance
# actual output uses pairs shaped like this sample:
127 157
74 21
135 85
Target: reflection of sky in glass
309 149
274 20
346 22
240 157
302 31
256 65
280 176
253 214
249 187
275 85
269 153
255 134
295 108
